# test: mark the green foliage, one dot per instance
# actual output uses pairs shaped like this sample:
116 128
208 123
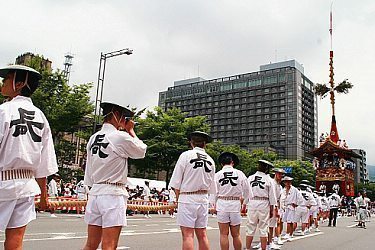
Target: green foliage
165 134
301 170
248 160
343 87
321 90
64 106
65 152
370 189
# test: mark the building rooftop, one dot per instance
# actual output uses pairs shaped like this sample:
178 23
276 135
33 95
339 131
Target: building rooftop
290 63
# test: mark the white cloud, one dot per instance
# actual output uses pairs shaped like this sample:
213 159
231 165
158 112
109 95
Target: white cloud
172 39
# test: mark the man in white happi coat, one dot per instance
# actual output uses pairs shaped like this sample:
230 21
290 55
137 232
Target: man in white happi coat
290 203
192 181
262 200
27 154
106 173
232 188
316 207
324 206
304 202
275 223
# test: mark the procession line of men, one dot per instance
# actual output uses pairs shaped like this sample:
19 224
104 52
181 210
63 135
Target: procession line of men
269 205
27 157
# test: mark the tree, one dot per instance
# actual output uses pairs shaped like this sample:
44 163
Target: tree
165 134
301 170
65 106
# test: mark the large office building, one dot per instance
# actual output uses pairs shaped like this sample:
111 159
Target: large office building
274 108
361 174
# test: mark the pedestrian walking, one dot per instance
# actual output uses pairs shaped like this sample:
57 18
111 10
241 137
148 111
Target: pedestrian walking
27 154
106 173
192 181
334 202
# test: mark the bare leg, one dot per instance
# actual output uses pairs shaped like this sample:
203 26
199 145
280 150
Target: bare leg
224 232
14 238
187 238
263 242
110 237
270 234
94 237
249 240
202 238
235 232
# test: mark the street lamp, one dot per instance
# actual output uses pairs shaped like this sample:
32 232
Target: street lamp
99 89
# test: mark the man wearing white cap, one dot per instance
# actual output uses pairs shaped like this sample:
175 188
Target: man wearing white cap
275 220
334 202
290 203
106 172
192 180
27 154
262 200
232 188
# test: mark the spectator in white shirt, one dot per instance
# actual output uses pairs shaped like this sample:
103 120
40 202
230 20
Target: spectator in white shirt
232 188
192 181
27 154
106 172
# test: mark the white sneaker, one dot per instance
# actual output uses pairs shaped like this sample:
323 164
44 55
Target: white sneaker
274 246
317 230
279 242
53 215
149 216
286 237
257 246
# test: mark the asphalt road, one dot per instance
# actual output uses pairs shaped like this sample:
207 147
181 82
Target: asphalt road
161 232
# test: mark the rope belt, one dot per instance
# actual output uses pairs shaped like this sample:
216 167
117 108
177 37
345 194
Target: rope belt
363 207
118 184
256 198
14 174
195 192
229 198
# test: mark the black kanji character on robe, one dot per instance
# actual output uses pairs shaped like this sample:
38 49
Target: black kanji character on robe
25 124
305 196
257 182
201 161
96 146
228 178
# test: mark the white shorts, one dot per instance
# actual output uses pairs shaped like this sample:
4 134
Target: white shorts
288 215
106 210
257 219
17 213
192 215
301 215
234 218
314 212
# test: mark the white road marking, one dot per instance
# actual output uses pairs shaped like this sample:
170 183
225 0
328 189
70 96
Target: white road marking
305 236
119 248
351 226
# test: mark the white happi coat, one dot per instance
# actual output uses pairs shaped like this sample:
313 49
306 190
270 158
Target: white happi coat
194 171
108 151
230 182
25 143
